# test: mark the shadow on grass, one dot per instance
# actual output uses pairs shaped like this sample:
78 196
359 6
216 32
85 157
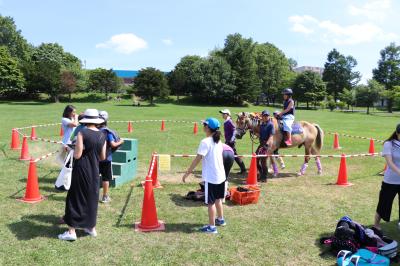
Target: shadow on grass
187 228
180 201
33 226
24 103
142 105
121 215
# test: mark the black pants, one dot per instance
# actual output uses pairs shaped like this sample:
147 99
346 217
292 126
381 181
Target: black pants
228 158
386 197
262 161
237 159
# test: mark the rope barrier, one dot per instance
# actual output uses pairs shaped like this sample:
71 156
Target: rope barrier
48 140
45 156
286 156
355 137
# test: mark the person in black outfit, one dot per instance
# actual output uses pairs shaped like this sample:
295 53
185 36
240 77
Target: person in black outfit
83 195
230 137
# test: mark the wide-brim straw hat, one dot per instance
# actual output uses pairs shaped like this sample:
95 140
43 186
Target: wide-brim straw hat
91 116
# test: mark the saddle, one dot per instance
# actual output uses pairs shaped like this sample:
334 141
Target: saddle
297 129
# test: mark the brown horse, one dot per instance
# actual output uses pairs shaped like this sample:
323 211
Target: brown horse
311 138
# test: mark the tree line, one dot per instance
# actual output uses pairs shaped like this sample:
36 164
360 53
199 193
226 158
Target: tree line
241 71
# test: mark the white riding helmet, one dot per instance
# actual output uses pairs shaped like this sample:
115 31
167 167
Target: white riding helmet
104 115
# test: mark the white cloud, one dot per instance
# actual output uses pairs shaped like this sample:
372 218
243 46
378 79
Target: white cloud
124 43
329 31
372 9
167 42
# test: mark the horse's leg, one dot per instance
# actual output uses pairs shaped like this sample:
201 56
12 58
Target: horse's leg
317 161
306 159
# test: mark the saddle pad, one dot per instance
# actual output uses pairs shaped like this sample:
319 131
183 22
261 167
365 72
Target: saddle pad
296 128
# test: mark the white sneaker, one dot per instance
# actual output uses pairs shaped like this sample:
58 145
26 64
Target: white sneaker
67 236
92 232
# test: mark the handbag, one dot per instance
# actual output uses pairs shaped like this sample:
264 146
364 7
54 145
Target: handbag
63 181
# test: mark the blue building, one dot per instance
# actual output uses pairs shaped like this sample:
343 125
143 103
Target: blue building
128 76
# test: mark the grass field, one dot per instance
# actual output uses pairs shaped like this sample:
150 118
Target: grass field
282 229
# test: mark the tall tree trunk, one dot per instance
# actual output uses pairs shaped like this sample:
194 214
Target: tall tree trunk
70 96
106 94
390 105
151 100
307 105
368 110
56 98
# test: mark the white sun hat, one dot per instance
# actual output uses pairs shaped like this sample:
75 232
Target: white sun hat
225 111
91 116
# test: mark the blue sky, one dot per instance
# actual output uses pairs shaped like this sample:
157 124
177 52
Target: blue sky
124 34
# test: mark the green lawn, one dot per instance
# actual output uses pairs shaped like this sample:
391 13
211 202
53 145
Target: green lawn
282 229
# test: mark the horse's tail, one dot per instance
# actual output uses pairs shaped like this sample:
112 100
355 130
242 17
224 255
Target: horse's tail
319 141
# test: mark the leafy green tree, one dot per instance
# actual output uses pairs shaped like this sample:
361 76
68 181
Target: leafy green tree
68 83
44 76
388 72
151 83
104 81
186 76
217 81
11 78
367 95
292 63
272 69
239 53
339 74
12 38
309 87
348 97
330 103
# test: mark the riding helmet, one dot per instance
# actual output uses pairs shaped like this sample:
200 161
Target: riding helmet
287 91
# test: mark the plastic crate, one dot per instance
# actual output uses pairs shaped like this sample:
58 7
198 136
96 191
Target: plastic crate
247 197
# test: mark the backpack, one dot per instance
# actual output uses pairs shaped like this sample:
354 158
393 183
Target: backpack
107 131
362 257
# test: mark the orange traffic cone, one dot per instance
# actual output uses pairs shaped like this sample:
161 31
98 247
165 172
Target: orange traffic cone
154 174
342 176
162 125
149 221
24 151
33 133
14 139
195 128
61 131
336 145
32 193
371 149
130 128
252 176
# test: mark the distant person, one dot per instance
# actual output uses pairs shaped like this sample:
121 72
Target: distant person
287 115
230 137
210 154
68 122
83 195
105 167
267 132
391 180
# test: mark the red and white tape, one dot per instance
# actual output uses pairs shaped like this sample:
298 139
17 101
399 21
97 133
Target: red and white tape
45 156
288 155
355 137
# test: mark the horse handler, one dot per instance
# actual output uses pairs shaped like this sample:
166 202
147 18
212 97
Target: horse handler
267 132
230 137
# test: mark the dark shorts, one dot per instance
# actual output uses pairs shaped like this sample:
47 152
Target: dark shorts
386 196
105 169
214 192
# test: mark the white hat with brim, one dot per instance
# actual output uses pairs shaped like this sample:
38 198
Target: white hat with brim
225 111
91 116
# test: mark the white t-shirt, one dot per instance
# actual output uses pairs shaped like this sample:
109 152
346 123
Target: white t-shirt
212 165
67 130
392 148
